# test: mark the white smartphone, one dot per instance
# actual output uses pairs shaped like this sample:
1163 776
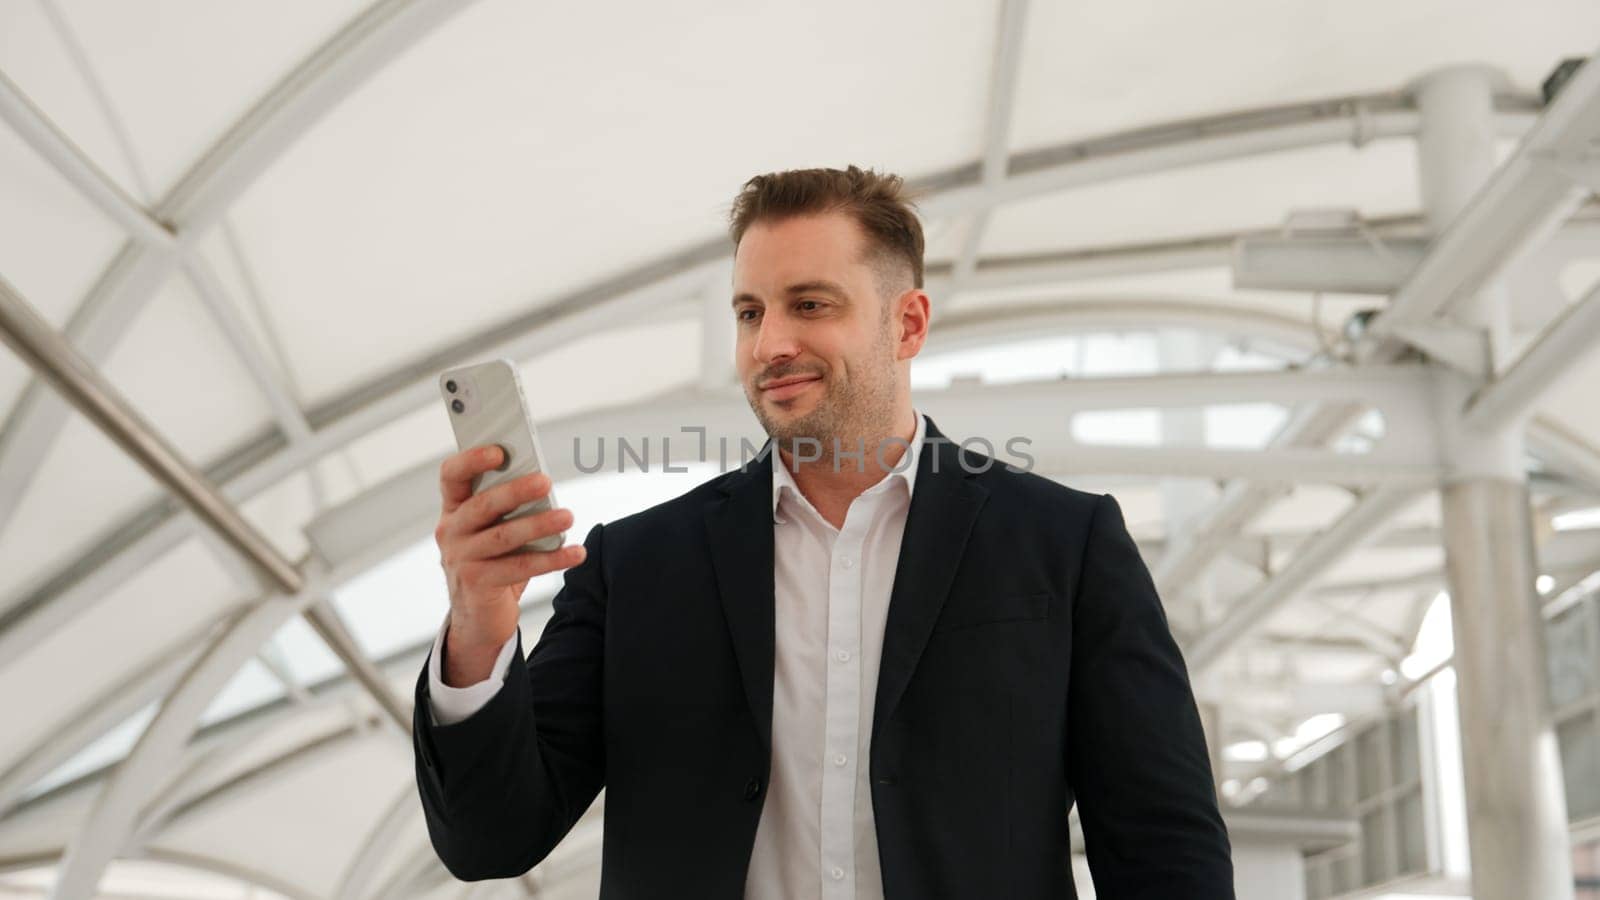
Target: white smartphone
486 405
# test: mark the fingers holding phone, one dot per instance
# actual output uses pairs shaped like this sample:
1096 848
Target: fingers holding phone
486 563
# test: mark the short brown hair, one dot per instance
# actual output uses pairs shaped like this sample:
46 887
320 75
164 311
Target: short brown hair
878 201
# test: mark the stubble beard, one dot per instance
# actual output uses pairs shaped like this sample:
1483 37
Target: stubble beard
855 412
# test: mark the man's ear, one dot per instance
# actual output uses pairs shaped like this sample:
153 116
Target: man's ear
912 310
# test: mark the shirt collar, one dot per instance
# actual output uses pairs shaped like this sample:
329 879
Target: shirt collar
905 470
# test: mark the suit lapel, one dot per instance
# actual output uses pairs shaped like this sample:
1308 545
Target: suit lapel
944 504
740 529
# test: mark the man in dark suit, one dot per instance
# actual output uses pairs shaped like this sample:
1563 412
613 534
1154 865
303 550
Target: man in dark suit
869 664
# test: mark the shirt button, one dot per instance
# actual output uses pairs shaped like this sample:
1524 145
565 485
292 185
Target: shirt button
848 562
842 656
837 873
840 759
752 788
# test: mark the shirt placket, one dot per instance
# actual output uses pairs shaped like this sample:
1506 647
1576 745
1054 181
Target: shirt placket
842 716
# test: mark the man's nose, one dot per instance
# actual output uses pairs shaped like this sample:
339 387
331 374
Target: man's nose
775 340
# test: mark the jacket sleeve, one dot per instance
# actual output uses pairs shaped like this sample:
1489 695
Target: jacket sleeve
502 787
1136 753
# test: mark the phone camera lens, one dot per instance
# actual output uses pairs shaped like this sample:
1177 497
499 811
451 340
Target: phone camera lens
457 405
451 387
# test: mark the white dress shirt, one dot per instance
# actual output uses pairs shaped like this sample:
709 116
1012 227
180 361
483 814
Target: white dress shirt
816 836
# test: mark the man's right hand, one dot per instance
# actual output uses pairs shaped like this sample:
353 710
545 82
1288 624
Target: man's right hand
486 580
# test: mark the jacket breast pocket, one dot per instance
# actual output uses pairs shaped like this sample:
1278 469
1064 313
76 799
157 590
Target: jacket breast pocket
969 612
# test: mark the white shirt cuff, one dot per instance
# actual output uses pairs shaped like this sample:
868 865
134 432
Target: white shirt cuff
449 705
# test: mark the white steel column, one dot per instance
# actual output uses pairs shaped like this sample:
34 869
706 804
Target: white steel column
115 812
1516 809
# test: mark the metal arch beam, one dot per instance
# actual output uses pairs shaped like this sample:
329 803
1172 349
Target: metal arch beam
183 801
277 665
1359 525
1564 346
420 863
205 756
180 805
1207 251
117 554
268 361
575 852
228 869
356 882
1377 638
1193 551
997 129
270 380
271 377
36 129
1565 451
275 347
338 690
97 89
1402 384
102 713
196 767
325 78
1077 264
115 811
998 323
1252 548
1292 699
1143 151
198 862
364 866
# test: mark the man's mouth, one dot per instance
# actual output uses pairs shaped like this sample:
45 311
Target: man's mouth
784 388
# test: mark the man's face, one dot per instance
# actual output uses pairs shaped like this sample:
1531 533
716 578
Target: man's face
818 346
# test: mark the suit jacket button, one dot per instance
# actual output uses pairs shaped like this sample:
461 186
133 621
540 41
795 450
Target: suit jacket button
752 789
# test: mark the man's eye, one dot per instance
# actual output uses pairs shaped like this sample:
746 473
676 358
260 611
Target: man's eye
740 314
811 303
